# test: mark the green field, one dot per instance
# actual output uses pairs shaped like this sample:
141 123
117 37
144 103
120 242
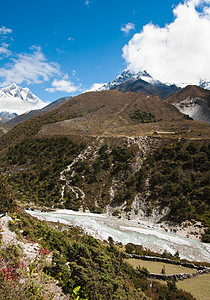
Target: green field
199 286
156 267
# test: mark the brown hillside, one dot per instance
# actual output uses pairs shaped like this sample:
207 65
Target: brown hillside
191 91
107 112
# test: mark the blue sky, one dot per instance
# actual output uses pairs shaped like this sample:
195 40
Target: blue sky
59 48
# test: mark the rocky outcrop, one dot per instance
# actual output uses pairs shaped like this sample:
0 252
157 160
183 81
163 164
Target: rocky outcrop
196 108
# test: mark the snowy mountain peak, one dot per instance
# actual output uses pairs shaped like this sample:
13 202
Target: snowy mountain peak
15 99
6 116
128 75
16 91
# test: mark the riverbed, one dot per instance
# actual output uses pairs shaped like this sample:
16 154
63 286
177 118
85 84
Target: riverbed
102 226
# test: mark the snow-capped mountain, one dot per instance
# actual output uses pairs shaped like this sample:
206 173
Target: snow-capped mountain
5 116
141 83
15 99
127 75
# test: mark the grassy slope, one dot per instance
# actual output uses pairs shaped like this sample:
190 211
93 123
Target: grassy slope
199 287
156 267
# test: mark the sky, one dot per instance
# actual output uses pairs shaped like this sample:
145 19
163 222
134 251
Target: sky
65 47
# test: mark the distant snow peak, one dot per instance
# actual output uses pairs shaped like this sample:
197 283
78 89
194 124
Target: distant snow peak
16 91
126 75
15 99
6 116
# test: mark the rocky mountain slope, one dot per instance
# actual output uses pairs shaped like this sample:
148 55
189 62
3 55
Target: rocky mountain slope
193 101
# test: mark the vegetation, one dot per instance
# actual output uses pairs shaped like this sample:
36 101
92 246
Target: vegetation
199 286
179 178
35 166
7 202
31 127
85 267
140 250
175 176
159 267
143 117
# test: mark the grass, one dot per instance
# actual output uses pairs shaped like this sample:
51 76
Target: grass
156 267
199 287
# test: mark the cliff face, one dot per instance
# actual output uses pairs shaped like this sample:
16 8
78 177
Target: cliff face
193 101
196 108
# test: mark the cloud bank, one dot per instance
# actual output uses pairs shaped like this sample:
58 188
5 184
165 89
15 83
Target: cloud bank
177 53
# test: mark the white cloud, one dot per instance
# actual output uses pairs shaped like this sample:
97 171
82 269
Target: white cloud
178 52
4 30
87 2
62 85
95 87
128 27
70 39
4 51
29 68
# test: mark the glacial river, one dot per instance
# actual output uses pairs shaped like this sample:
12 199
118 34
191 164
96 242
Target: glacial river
102 226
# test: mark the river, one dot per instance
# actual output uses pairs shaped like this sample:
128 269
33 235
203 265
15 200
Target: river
102 226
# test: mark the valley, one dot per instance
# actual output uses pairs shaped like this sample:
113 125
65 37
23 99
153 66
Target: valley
105 150
122 167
